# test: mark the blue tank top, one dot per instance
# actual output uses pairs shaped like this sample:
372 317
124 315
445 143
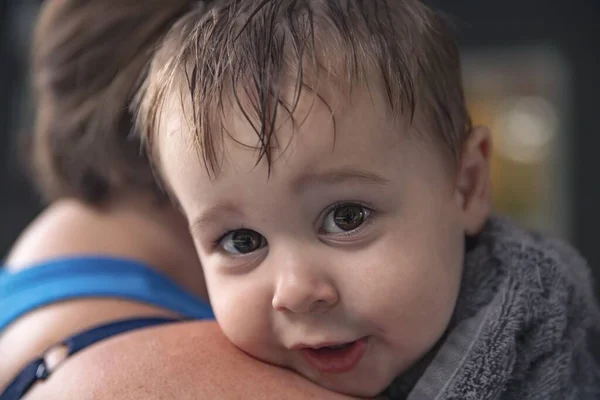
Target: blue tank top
93 277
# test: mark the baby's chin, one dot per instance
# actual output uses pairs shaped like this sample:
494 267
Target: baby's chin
363 386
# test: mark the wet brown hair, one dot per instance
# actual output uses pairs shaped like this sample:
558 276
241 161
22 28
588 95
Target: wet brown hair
241 53
87 60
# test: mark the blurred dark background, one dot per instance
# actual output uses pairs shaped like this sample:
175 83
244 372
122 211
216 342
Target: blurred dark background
531 67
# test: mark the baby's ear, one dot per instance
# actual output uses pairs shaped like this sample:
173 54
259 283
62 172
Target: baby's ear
473 182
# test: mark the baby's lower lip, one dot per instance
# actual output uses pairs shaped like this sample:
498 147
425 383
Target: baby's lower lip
336 361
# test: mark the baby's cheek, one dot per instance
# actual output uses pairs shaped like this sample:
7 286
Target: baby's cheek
404 292
243 315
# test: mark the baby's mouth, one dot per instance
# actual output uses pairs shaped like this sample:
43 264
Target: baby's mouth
336 358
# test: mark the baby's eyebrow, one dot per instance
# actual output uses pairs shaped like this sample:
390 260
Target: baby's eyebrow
213 215
338 176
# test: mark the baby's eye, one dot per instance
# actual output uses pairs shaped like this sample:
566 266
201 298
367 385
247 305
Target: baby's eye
242 241
345 218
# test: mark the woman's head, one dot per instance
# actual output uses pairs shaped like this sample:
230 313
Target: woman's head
88 56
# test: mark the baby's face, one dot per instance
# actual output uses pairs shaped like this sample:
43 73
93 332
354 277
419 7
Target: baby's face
345 263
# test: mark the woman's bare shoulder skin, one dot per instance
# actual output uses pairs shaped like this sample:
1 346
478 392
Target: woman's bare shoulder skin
181 361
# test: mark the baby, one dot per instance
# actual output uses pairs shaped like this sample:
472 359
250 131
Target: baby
339 199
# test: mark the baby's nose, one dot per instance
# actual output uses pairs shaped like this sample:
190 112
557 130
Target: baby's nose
300 291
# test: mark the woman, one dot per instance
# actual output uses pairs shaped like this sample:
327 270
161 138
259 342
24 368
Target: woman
110 247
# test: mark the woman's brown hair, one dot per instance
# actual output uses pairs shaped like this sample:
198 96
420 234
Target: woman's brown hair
88 59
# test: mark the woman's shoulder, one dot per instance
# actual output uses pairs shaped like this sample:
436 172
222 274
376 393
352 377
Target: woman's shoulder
65 228
190 360
62 228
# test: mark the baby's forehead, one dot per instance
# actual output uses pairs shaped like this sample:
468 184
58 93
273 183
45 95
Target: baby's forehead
351 134
323 108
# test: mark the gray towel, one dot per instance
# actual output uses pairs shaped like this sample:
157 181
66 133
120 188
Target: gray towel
521 329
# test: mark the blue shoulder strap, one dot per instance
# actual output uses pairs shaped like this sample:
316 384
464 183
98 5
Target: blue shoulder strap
38 370
89 277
